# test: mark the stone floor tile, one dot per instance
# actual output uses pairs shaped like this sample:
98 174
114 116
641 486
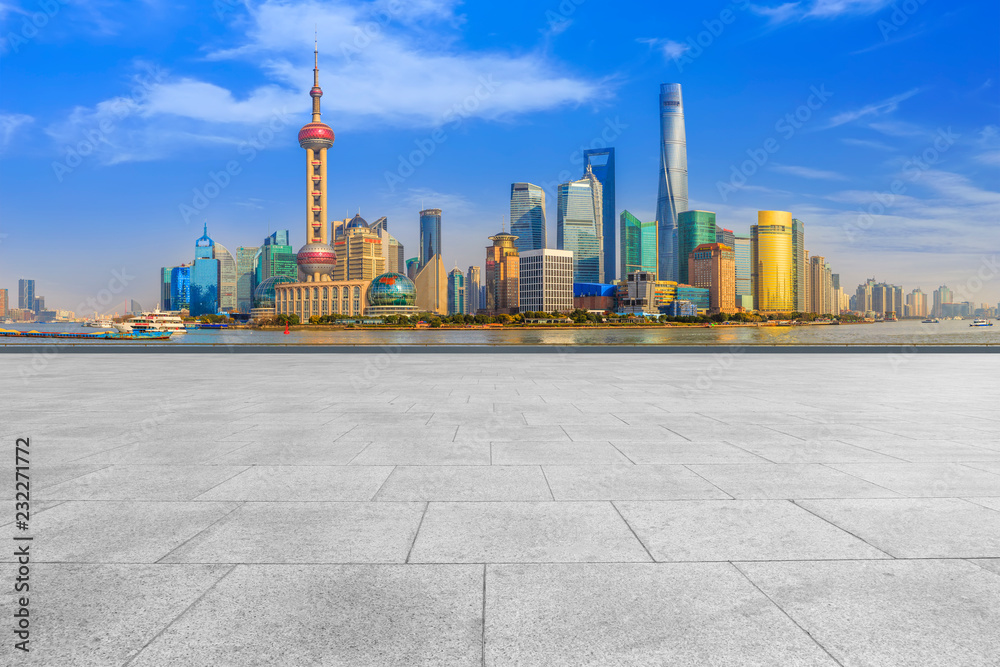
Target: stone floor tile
465 483
621 482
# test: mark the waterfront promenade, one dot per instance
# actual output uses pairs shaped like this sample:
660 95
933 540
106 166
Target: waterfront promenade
558 508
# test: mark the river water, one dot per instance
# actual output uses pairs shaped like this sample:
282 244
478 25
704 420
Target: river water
909 332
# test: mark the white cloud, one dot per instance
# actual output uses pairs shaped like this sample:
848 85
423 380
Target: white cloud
819 9
867 143
670 49
808 172
9 122
383 64
882 108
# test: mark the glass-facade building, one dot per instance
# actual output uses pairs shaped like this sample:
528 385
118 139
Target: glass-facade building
724 236
771 262
204 277
430 235
527 216
602 163
638 244
180 288
673 181
165 303
412 266
473 285
227 278
800 280
741 246
580 227
245 278
699 296
694 228
275 258
26 294
456 292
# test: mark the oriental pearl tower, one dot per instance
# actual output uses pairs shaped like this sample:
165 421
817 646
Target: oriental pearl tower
316 259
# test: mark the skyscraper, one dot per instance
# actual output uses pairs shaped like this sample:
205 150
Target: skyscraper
456 292
204 277
25 294
942 295
180 287
359 251
4 302
818 295
545 280
744 286
430 235
432 287
275 258
713 265
472 288
771 262
245 278
580 228
694 228
725 236
800 277
165 288
602 162
527 216
916 304
638 245
503 275
412 264
673 190
392 249
227 278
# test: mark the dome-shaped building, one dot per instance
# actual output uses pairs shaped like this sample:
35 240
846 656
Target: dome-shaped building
391 294
316 262
263 294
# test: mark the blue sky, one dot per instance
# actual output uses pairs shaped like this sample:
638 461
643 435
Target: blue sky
115 115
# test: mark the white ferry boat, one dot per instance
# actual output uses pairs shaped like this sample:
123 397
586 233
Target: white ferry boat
981 323
157 321
99 323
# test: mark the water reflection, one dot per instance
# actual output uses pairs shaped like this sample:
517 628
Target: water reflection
890 333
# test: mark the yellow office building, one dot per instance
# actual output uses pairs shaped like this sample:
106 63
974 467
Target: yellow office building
772 262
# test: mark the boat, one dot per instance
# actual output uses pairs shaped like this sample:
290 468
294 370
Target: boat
157 320
102 323
981 323
102 335
931 321
214 326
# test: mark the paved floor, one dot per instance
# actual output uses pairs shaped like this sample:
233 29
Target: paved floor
561 509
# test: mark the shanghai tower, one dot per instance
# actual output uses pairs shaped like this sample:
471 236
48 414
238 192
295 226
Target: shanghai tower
673 196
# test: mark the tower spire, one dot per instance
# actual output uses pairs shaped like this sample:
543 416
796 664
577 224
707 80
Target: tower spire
316 91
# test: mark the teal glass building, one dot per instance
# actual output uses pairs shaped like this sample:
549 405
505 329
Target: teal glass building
699 296
456 292
638 244
693 229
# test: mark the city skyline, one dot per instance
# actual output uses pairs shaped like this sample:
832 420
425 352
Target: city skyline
932 233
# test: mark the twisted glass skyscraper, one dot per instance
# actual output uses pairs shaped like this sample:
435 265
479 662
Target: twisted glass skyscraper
673 196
